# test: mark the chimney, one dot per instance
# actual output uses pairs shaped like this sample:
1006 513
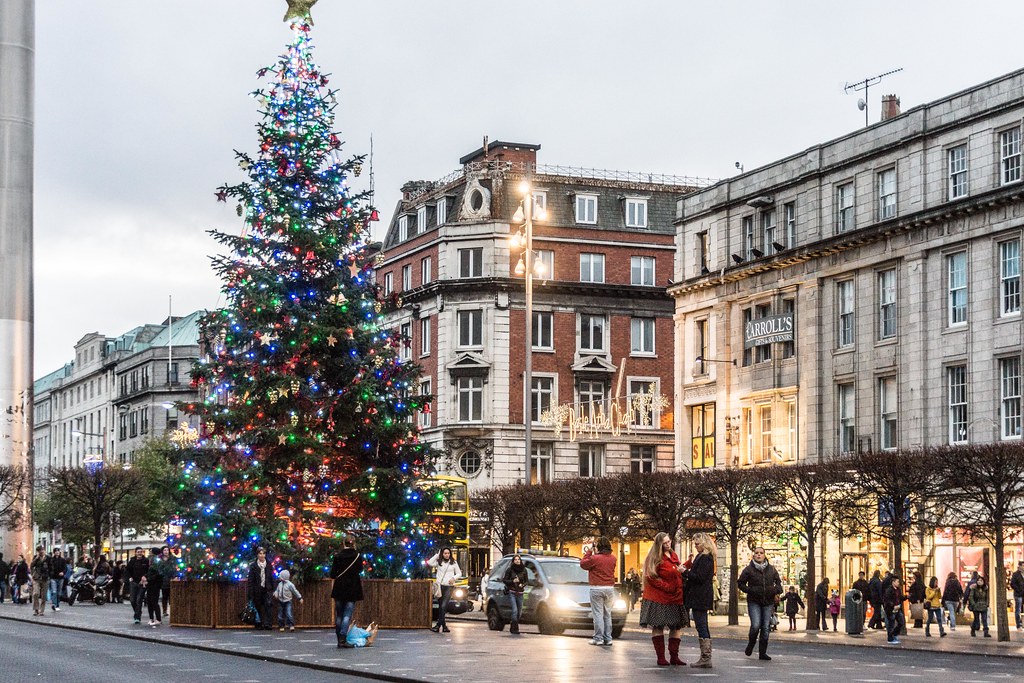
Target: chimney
890 107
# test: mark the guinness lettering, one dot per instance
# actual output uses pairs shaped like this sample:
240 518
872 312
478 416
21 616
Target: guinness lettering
774 328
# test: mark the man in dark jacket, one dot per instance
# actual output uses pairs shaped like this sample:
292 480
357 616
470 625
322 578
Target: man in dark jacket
41 572
821 603
862 585
1016 585
261 587
916 595
347 590
58 578
761 582
892 602
135 572
874 596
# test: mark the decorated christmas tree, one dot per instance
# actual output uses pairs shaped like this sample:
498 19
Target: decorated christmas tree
306 426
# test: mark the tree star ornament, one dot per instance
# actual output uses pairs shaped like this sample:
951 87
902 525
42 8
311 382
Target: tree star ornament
299 9
281 439
332 340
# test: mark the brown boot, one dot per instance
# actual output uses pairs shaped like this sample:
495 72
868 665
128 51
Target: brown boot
659 649
673 651
705 655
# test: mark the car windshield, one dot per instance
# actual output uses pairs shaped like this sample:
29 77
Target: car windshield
565 572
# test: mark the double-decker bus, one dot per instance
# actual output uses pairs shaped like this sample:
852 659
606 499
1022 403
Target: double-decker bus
451 522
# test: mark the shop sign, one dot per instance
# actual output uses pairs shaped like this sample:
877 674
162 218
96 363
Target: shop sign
768 330
699 524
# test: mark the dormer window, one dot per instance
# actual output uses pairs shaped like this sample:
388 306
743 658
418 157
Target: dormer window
421 220
441 213
636 212
403 228
586 208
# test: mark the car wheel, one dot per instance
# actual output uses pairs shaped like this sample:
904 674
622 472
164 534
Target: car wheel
617 631
494 621
547 624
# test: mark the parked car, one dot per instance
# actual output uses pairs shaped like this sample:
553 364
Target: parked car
557 596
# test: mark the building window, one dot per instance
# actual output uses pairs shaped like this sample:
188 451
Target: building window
887 412
1009 277
591 393
173 374
768 229
133 424
957 157
540 202
406 278
424 336
441 213
144 421
887 194
403 228
543 330
887 304
426 274
471 262
636 213
847 417
641 333
471 398
541 396
748 316
540 463
845 300
421 219
702 436
592 333
956 267
791 429
425 408
703 248
700 344
389 283
470 462
789 347
956 381
641 270
790 210
844 207
591 460
591 267
643 414
1009 397
762 352
544 264
641 459
749 236
471 328
122 427
764 420
405 332
1009 155
586 208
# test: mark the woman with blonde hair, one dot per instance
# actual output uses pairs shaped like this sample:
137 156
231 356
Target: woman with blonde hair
700 593
663 599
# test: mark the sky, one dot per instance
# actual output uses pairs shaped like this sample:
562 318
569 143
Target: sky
140 103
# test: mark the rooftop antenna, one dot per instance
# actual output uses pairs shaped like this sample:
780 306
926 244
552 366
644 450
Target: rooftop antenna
862 104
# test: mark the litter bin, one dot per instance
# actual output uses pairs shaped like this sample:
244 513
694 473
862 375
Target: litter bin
854 612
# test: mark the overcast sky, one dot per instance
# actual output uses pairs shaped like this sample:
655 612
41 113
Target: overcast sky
139 105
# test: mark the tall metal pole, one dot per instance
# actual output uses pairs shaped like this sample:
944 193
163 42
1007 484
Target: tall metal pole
17 73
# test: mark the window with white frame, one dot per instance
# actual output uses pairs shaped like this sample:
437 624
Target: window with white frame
425 408
471 262
591 267
700 345
956 269
641 335
586 208
888 407
470 392
762 352
845 301
540 463
424 336
591 398
405 331
441 211
790 211
956 395
768 230
591 460
636 212
403 228
748 353
847 417
790 452
789 308
389 283
426 270
544 265
887 303
421 219
541 396
844 207
1009 277
957 160
886 194
1009 155
1009 397
406 278
765 445
641 270
471 328
644 413
641 459
592 336
749 237
540 202
543 330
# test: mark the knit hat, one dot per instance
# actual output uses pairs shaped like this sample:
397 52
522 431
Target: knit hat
284 575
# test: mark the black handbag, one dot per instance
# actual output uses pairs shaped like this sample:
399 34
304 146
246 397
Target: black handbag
248 615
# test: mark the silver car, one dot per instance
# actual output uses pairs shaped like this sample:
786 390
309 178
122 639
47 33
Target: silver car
557 596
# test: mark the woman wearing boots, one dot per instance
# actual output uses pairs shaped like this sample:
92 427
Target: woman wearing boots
761 582
663 599
515 581
699 593
446 573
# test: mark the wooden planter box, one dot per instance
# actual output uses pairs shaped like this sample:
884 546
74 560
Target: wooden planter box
392 604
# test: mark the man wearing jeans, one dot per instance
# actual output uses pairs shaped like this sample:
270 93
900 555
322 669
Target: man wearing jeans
59 569
1017 585
136 571
601 568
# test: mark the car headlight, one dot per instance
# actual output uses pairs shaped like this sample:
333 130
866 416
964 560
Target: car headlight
565 602
461 593
619 604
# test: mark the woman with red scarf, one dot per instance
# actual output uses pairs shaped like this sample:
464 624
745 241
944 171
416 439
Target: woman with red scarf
663 599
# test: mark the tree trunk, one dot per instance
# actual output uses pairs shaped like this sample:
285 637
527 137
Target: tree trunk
812 583
734 596
1002 623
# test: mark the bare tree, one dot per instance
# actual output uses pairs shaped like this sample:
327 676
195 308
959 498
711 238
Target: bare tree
550 512
664 500
602 504
504 517
14 481
987 486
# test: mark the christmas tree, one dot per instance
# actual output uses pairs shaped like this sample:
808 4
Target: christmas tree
307 429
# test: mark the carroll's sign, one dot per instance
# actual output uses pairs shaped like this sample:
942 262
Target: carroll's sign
774 328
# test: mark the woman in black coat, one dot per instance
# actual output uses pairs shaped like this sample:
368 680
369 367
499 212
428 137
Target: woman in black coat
261 587
347 590
761 582
699 593
515 581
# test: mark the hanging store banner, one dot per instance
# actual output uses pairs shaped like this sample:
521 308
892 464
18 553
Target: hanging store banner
768 330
